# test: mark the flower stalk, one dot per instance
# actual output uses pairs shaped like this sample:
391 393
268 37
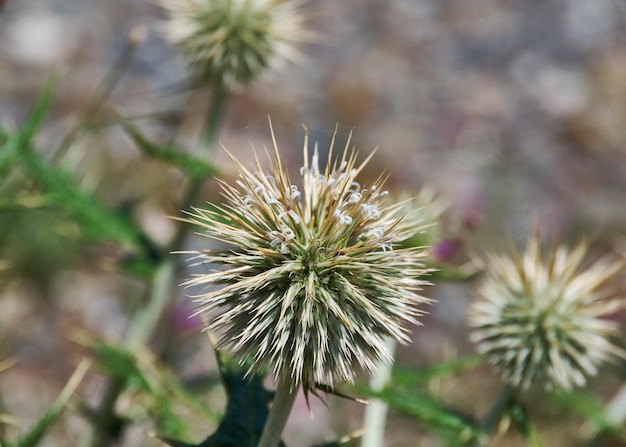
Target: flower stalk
214 117
494 415
376 410
282 403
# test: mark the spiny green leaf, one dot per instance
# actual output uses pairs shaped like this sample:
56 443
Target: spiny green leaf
13 144
192 166
39 429
121 365
156 389
246 413
60 190
409 377
36 241
425 408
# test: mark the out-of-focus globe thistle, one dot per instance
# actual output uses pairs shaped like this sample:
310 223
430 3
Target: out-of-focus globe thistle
312 279
426 208
540 320
231 42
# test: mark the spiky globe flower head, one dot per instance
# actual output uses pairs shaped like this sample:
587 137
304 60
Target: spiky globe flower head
312 282
230 42
540 320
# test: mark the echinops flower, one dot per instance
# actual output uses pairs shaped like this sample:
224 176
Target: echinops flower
311 280
540 320
230 42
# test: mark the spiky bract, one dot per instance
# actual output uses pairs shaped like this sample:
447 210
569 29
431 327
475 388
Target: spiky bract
541 320
230 42
312 282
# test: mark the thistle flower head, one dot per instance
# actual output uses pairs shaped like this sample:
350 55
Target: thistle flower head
539 320
230 42
311 279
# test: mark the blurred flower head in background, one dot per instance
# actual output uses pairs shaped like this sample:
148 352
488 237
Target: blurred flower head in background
426 209
540 320
313 279
231 42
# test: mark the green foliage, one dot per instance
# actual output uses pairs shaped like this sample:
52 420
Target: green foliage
34 435
403 377
157 390
408 393
96 221
14 144
431 413
194 167
36 241
245 416
122 365
58 188
520 417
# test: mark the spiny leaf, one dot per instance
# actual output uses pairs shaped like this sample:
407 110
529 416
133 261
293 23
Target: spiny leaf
37 241
192 166
121 365
37 431
13 144
426 409
246 413
96 221
408 377
157 390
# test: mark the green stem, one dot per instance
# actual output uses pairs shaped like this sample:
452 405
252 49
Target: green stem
376 410
279 413
214 118
495 413
160 294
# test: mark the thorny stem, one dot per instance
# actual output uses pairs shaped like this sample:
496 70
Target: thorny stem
494 415
143 324
376 411
279 413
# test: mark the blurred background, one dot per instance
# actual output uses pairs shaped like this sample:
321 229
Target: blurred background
514 111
